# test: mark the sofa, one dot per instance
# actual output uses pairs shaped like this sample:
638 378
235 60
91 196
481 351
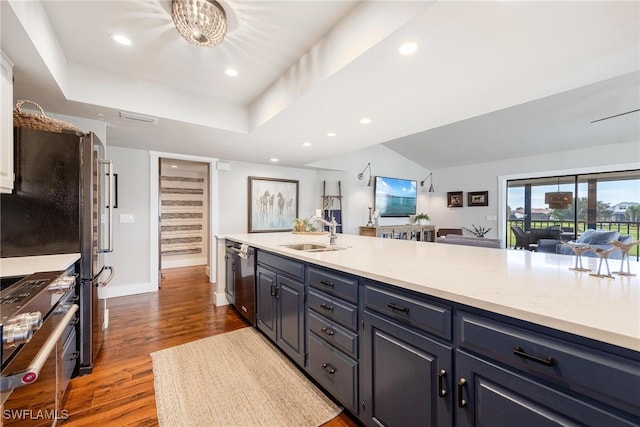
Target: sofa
455 239
597 239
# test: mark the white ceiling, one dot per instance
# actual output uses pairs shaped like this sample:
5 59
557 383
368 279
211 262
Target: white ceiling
490 80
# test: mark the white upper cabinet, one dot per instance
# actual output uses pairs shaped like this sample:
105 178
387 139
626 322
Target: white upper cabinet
6 122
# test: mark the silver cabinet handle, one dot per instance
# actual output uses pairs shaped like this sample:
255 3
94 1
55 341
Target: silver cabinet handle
30 375
109 193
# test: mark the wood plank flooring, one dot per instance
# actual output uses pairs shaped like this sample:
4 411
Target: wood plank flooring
119 391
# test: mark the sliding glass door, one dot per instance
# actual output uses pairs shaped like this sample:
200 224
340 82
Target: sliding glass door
571 204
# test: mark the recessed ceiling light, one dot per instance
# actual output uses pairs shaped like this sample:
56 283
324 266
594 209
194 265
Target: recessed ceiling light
306 144
408 48
274 159
331 134
174 166
365 120
231 72
121 39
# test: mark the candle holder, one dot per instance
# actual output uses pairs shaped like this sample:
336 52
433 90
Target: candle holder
370 222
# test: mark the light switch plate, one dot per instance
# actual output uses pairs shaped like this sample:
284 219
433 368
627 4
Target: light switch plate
492 217
127 218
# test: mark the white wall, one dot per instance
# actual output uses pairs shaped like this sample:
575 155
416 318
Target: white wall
233 192
131 256
357 196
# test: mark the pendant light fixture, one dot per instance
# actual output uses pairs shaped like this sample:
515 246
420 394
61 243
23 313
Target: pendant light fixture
558 199
201 22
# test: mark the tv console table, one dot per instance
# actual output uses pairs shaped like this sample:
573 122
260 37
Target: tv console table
424 233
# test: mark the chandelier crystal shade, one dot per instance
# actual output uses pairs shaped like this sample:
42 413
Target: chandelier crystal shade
201 22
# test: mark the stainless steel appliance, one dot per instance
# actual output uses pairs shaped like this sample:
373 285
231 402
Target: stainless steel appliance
62 203
240 286
39 356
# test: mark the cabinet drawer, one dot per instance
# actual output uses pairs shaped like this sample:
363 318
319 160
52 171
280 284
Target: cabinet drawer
334 283
337 373
608 378
332 308
426 315
285 265
333 333
499 396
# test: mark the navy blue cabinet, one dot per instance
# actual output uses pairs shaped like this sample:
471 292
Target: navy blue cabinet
332 338
528 375
406 374
489 395
266 302
280 297
395 357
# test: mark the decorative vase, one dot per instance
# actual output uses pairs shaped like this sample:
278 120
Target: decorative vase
423 222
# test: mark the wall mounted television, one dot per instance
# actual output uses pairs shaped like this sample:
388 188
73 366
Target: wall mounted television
395 197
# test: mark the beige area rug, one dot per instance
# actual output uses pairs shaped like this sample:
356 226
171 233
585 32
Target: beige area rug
235 379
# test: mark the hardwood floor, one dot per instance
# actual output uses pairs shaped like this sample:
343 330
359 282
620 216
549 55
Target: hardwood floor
119 391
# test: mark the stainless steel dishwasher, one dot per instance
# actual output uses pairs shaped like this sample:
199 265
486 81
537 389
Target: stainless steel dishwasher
240 285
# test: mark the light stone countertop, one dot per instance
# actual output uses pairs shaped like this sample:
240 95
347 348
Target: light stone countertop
22 266
534 287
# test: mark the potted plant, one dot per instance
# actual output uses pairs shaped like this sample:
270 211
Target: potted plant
422 219
302 225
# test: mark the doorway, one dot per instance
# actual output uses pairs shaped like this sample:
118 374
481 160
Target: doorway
183 213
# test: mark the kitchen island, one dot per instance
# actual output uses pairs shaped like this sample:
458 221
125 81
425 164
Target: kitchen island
420 333
530 286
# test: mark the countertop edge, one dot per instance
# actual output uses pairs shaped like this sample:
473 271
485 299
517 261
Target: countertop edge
22 266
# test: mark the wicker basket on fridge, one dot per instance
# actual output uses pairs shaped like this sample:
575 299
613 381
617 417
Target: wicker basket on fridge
40 121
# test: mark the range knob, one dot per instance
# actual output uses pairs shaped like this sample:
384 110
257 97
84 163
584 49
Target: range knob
16 333
62 284
33 320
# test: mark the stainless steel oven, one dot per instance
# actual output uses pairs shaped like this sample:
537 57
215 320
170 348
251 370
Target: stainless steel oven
39 349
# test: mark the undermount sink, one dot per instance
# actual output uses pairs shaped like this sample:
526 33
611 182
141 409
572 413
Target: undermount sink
313 247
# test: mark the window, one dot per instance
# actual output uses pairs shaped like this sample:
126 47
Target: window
608 200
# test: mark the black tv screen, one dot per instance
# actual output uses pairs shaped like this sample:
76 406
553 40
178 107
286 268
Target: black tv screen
395 196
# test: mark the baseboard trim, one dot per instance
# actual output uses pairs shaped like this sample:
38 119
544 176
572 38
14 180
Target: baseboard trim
221 299
112 291
183 262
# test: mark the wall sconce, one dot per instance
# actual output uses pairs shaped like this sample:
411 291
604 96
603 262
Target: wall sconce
361 174
431 190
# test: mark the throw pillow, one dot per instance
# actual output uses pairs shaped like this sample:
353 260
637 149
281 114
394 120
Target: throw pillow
584 236
602 237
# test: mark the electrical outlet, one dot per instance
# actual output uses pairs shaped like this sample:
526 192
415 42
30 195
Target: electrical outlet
492 217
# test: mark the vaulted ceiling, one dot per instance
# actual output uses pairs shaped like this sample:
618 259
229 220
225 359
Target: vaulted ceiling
489 80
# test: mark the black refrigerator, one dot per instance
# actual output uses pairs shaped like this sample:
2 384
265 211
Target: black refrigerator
62 203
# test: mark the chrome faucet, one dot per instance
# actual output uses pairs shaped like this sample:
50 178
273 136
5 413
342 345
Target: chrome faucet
332 227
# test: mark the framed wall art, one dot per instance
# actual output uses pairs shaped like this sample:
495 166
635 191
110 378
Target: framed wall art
478 198
273 204
454 199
